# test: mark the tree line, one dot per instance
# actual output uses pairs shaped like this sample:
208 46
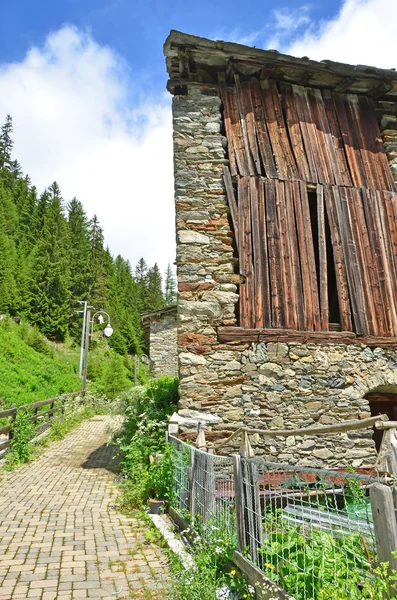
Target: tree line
52 254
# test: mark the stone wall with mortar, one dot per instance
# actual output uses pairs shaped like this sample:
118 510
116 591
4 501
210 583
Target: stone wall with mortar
261 385
163 345
388 127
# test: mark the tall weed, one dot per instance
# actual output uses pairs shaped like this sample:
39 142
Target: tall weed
147 409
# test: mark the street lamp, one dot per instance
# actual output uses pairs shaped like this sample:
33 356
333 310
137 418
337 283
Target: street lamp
108 329
88 324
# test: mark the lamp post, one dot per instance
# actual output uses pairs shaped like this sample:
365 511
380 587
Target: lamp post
83 333
88 324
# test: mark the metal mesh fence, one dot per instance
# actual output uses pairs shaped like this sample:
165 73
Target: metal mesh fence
213 496
309 530
181 463
204 491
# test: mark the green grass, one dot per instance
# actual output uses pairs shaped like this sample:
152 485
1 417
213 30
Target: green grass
32 368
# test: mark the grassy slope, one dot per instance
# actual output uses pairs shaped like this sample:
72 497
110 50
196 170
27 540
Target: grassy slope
27 374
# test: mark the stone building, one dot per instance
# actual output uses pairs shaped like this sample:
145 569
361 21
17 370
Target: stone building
286 229
161 336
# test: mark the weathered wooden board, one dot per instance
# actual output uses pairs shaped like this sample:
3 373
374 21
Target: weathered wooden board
276 282
322 253
258 263
267 307
295 134
265 147
296 275
231 334
339 261
231 199
288 308
244 126
228 125
343 175
247 318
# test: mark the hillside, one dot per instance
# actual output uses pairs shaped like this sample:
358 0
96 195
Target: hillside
52 255
31 368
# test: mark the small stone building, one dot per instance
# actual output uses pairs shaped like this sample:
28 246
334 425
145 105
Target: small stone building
286 221
161 335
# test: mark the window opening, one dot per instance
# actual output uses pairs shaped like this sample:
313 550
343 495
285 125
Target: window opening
382 404
333 304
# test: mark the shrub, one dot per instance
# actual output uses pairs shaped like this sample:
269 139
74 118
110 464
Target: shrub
161 475
38 342
147 410
23 433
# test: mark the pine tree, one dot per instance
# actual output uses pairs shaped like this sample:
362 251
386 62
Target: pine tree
79 250
49 275
6 143
8 256
154 298
48 259
123 306
98 265
169 287
141 278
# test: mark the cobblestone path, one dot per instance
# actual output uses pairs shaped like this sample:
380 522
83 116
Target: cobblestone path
61 536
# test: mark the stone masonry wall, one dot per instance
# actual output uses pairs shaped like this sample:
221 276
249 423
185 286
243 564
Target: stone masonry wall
261 385
163 346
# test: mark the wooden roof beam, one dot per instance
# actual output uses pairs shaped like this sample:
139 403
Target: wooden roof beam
306 77
381 89
344 84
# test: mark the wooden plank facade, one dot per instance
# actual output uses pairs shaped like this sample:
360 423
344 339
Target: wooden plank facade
314 209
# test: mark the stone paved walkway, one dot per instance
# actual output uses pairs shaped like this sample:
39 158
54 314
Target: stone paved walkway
60 534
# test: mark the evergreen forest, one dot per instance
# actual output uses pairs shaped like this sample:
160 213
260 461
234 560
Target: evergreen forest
53 255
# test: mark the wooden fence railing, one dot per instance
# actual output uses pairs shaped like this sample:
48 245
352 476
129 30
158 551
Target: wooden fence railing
38 416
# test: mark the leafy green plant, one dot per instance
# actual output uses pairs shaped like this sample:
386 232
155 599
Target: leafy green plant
147 409
23 432
313 563
136 477
383 583
161 475
212 569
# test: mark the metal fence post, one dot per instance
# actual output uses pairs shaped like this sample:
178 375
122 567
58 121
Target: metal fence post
385 524
192 481
238 498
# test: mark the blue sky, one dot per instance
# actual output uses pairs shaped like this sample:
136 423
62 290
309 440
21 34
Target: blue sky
85 83
137 30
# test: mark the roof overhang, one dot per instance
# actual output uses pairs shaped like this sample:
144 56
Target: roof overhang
193 60
148 317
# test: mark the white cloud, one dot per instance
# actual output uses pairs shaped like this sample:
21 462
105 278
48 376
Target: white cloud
71 106
286 22
364 32
280 25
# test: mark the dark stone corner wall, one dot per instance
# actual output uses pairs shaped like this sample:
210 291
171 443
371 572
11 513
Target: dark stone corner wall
269 385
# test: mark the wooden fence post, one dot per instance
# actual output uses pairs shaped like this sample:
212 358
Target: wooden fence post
385 524
13 416
51 415
35 409
238 499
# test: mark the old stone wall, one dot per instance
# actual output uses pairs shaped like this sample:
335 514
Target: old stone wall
163 346
388 127
261 385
